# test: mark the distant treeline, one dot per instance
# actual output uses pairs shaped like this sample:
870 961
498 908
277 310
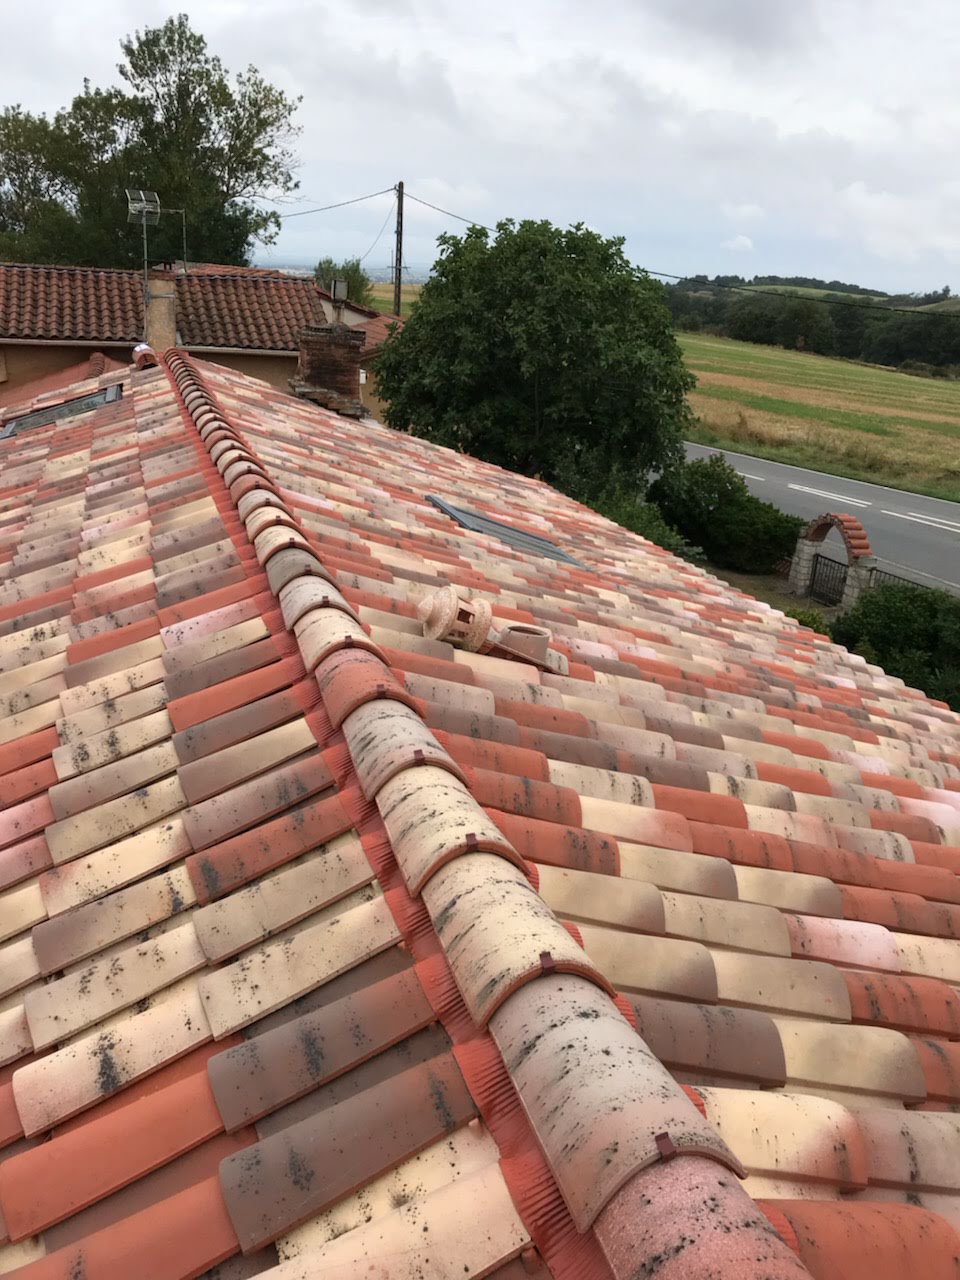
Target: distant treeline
834 325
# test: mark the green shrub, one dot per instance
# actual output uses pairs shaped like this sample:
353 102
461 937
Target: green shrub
811 618
644 518
912 632
711 506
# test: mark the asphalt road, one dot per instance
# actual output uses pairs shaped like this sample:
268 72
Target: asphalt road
915 536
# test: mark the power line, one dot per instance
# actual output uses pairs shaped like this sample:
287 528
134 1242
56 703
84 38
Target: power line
665 275
446 212
737 288
380 232
793 297
339 205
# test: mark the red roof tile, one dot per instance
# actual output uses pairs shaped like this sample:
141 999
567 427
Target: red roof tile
259 312
247 308
328 947
80 304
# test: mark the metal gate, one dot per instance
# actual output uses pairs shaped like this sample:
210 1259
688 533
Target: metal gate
829 579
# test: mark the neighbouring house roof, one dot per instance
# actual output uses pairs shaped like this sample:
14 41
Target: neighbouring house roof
377 329
261 313
237 308
332 950
70 304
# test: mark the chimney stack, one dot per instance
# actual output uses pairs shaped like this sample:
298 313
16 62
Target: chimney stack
161 319
328 372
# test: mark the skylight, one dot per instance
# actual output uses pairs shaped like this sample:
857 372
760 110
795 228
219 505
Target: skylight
519 539
65 409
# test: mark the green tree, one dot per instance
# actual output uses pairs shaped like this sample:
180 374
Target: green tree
806 325
207 143
754 318
359 284
545 351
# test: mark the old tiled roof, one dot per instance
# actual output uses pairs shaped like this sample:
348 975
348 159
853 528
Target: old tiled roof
377 330
70 304
248 308
331 950
246 311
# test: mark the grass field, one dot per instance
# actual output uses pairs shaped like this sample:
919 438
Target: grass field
383 298
831 415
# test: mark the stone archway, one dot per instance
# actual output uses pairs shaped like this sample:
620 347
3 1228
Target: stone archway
860 557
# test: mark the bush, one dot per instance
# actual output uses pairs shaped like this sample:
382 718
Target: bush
811 618
711 506
912 632
644 518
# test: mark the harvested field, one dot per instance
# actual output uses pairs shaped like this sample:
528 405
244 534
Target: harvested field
831 415
383 298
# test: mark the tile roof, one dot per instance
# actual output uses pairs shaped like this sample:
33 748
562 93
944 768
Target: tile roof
377 329
260 313
72 304
249 308
330 949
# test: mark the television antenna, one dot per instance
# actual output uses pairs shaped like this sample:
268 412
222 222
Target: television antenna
143 207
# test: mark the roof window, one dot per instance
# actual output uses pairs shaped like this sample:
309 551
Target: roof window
519 539
65 409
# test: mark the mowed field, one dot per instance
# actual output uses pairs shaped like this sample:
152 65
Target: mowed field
831 415
383 298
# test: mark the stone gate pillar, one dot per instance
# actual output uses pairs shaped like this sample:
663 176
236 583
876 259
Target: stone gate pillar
858 580
860 558
801 567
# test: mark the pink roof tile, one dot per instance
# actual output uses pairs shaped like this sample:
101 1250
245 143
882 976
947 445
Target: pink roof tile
333 948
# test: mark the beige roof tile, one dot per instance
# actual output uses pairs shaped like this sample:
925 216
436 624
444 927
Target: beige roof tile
73 1003
271 976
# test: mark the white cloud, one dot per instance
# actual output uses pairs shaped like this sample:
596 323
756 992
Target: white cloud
596 113
746 212
897 226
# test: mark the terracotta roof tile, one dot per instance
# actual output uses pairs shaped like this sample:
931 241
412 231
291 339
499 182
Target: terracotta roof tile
71 303
252 308
546 957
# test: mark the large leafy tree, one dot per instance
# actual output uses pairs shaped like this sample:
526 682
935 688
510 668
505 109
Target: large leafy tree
543 350
359 284
209 143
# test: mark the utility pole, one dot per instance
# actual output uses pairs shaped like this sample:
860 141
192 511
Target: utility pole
398 252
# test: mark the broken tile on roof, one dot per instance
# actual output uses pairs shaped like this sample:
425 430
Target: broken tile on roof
328 947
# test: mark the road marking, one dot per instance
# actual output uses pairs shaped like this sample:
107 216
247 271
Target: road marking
946 526
785 466
747 476
836 497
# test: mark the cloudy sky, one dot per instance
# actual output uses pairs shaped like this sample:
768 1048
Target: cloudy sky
812 137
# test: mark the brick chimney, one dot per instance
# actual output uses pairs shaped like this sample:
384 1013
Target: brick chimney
328 371
161 326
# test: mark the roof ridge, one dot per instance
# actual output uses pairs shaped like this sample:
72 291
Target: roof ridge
508 964
266 278
64 267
